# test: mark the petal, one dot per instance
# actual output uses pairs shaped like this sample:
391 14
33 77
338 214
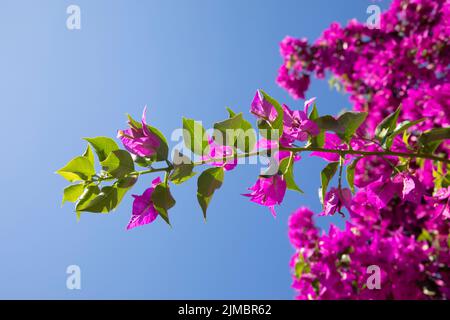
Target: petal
311 127
156 181
144 123
381 192
331 157
143 210
272 210
308 103
412 188
264 144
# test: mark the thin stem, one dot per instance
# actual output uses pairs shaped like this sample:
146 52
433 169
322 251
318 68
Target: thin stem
342 153
341 167
224 159
149 171
370 153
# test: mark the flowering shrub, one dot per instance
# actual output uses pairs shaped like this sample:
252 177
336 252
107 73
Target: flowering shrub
399 216
398 160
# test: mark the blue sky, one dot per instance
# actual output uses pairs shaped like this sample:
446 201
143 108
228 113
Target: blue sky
181 58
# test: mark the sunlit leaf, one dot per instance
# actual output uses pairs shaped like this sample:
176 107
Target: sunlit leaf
79 168
72 193
103 146
350 122
119 163
162 200
208 182
287 169
326 175
195 136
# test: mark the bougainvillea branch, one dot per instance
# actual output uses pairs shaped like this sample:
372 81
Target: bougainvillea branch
394 149
279 129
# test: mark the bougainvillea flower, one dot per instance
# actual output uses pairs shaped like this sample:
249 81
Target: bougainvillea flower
139 141
412 188
307 104
268 191
404 185
333 142
380 192
144 211
335 200
296 124
441 201
217 153
262 108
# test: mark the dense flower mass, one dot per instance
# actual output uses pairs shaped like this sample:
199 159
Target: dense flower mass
404 62
399 219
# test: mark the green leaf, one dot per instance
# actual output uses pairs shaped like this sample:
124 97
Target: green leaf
314 113
431 139
89 154
89 193
319 140
127 182
350 122
103 202
441 176
287 169
123 185
278 122
142 162
350 173
72 193
328 123
246 136
103 146
119 163
163 201
425 236
79 168
246 139
326 175
405 125
399 129
163 150
301 266
231 113
195 136
183 169
208 182
266 130
387 126
227 129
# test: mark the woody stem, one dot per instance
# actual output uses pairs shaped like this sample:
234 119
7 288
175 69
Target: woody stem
342 153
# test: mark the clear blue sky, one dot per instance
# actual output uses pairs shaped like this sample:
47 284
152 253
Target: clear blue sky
181 58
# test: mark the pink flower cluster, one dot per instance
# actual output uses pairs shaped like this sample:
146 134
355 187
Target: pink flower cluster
409 245
405 61
270 191
397 220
